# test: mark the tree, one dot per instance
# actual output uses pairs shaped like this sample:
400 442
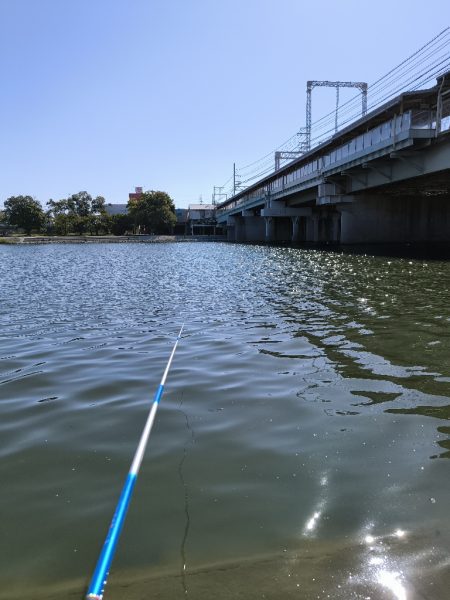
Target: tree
99 223
77 213
63 223
105 222
120 224
98 205
80 204
24 212
80 223
154 211
48 225
58 207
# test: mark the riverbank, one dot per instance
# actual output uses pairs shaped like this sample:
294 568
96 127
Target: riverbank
108 239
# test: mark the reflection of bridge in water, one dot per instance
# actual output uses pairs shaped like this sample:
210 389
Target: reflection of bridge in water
384 178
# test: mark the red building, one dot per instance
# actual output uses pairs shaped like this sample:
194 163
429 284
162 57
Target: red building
135 195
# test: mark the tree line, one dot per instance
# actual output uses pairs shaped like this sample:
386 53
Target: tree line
151 212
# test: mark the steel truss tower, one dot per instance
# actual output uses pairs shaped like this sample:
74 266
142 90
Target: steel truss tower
362 86
291 155
218 194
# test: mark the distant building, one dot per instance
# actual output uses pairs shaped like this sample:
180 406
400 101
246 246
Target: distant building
197 219
122 209
136 194
116 209
201 220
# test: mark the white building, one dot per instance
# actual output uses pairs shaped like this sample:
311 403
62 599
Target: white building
201 219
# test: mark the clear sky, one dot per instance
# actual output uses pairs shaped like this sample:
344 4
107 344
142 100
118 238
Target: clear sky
105 95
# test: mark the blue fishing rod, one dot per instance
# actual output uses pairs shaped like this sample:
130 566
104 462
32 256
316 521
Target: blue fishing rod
100 576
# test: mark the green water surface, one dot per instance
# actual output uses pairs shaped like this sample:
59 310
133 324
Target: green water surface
301 448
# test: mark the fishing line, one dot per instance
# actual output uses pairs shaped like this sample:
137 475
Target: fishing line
186 502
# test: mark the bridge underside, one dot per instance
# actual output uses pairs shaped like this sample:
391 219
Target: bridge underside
416 210
402 196
404 213
433 184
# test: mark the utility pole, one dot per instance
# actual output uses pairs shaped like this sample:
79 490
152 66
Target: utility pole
234 179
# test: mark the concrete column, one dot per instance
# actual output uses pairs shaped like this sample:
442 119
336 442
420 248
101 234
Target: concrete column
231 233
315 219
239 229
254 229
295 229
312 229
336 226
270 229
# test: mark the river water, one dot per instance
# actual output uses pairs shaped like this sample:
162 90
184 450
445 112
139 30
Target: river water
301 447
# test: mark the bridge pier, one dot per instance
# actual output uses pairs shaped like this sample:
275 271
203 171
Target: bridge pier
294 225
363 218
336 228
390 219
312 229
254 226
295 229
299 229
329 227
283 229
270 229
245 227
231 228
285 223
239 229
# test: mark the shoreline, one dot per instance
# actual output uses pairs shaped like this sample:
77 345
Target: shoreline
108 239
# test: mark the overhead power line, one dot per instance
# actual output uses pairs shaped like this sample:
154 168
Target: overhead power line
414 72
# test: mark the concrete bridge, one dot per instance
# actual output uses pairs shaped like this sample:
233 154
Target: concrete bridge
383 179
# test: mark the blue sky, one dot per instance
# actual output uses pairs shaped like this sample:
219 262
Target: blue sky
105 95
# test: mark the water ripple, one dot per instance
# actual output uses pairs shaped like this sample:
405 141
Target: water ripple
318 388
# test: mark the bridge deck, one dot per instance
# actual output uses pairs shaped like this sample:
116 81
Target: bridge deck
407 122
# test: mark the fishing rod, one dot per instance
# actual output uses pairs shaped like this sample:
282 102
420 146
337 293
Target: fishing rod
100 576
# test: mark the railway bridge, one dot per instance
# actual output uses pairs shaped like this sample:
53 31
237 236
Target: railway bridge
383 179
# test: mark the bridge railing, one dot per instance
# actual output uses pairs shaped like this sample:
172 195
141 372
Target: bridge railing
445 120
386 134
